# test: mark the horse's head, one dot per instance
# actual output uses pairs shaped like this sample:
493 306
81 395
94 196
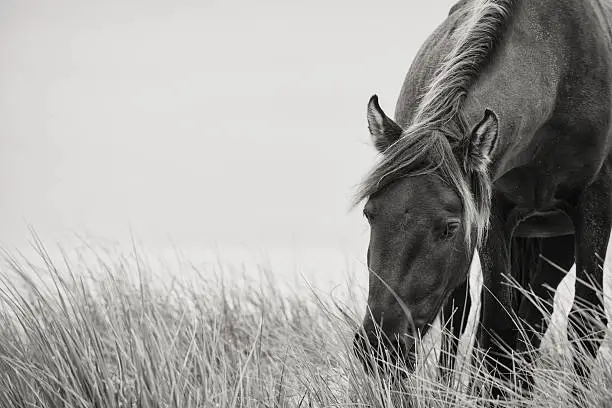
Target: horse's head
420 245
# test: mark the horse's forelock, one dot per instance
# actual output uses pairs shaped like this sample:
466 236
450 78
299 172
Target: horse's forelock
427 154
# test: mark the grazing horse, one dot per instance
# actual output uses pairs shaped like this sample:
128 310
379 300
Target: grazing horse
501 142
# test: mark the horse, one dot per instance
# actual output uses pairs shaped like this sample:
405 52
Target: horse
501 142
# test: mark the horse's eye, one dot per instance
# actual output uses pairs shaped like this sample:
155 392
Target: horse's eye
452 226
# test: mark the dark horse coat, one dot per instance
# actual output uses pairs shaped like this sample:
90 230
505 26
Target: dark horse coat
501 140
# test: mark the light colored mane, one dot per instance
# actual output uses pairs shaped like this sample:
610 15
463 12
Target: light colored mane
439 125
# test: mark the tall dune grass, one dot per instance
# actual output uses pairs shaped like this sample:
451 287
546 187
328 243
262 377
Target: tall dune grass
102 331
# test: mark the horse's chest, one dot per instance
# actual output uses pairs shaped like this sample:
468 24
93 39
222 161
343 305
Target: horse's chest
536 202
550 180
526 188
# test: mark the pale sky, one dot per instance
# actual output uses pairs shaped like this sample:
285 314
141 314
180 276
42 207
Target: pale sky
230 122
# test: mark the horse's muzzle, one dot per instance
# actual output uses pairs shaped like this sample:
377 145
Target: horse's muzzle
393 357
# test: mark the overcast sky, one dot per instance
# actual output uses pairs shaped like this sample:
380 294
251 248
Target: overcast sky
232 122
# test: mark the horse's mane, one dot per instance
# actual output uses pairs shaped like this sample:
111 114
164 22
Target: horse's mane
439 125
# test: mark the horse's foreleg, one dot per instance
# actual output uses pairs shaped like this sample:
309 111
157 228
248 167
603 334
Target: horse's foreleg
557 258
592 223
497 336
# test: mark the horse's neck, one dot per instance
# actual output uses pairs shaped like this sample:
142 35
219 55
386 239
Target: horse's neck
522 81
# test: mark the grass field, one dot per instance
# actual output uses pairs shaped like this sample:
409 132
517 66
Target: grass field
102 330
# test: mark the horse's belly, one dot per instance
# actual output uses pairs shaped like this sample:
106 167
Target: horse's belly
544 225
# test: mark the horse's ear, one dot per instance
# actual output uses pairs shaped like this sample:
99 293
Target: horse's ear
481 145
383 130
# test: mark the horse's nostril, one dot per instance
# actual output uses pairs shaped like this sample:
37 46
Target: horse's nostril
400 346
362 345
361 348
383 353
